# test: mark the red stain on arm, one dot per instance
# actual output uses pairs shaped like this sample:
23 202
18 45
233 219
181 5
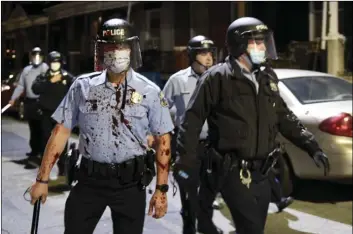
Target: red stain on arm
163 166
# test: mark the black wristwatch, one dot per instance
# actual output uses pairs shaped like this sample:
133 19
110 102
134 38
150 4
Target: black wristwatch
163 188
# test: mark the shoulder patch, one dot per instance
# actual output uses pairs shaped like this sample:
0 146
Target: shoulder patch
163 100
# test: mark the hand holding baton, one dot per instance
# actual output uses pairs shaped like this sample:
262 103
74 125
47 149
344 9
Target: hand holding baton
35 217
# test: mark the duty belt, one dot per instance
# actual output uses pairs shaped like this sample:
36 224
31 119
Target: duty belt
126 171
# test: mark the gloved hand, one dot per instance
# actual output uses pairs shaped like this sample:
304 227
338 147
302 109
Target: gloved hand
320 158
183 175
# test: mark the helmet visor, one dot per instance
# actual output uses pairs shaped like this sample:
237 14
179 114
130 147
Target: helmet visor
132 44
36 59
262 41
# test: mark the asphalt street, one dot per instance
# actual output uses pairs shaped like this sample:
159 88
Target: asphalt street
319 207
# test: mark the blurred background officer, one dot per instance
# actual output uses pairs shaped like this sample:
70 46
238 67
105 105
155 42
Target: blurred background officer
241 102
115 110
32 114
178 90
52 87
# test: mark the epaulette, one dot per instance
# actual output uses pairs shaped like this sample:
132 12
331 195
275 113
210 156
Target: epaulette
88 75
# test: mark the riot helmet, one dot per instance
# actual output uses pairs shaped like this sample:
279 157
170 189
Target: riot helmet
252 37
55 61
36 57
117 47
201 45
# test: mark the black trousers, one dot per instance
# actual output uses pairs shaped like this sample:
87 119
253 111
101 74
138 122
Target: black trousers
196 205
32 115
89 198
248 207
276 189
47 126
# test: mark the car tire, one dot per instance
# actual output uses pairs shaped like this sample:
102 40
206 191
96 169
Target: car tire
284 173
21 110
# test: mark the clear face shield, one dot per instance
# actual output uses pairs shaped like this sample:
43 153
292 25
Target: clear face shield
36 59
118 57
261 47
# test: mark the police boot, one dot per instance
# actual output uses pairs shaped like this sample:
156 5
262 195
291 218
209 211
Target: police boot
284 203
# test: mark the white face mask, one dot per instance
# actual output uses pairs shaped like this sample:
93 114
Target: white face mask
117 61
257 56
55 66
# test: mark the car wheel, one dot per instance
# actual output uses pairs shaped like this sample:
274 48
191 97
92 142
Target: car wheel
21 111
285 175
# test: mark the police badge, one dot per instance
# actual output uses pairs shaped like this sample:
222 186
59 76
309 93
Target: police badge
164 102
136 98
273 86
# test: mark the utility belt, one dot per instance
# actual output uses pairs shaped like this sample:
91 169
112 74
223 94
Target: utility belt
217 167
140 169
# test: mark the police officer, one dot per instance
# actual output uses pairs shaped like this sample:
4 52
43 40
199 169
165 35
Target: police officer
178 91
115 109
52 87
29 74
241 102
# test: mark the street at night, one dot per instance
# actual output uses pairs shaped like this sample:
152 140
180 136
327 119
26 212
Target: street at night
319 208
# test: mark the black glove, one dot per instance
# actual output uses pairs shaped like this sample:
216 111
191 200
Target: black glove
321 158
183 175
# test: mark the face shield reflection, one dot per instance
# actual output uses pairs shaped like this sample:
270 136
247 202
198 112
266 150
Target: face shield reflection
127 52
262 46
36 59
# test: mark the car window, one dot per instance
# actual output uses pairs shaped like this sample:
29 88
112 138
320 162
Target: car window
319 89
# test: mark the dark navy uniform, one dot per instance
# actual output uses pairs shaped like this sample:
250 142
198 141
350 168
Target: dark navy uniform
243 124
51 94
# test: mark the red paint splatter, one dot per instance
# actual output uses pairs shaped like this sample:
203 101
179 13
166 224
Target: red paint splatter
167 152
56 156
163 166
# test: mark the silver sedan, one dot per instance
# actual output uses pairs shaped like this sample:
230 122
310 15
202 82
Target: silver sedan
323 103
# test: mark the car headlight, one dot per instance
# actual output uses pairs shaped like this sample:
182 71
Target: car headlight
4 88
10 76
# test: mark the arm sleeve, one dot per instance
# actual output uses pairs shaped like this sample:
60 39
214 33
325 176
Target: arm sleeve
169 92
292 129
160 121
204 98
20 86
290 126
68 110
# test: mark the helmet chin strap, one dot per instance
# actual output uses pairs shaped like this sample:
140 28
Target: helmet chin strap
201 65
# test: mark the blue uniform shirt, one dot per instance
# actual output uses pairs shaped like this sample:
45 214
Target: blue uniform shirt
95 105
28 75
178 91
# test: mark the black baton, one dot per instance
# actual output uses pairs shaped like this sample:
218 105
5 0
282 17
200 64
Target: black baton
35 217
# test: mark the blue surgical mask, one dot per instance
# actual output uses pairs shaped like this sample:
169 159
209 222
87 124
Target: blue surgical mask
257 56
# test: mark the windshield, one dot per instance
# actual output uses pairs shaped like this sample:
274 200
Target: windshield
319 89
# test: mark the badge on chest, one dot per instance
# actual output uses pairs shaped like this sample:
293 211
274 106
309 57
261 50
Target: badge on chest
273 86
136 98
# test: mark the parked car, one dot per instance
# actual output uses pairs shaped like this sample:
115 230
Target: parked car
323 103
8 85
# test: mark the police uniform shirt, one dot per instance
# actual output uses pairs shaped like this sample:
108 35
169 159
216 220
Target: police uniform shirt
250 75
178 91
29 74
95 105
